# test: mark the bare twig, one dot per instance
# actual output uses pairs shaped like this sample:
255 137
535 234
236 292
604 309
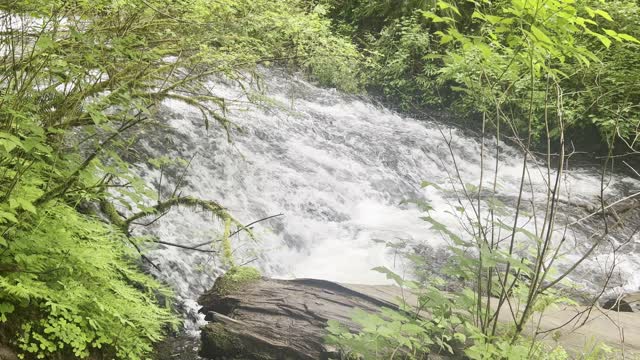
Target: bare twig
245 227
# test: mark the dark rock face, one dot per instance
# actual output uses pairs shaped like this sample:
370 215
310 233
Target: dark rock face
278 319
617 305
181 346
626 303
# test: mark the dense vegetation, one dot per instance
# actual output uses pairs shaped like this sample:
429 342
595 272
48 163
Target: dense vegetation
81 80
78 82
412 52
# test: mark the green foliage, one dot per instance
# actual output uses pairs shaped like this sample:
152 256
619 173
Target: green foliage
607 95
331 60
382 336
466 56
80 82
520 51
373 16
398 64
74 289
441 323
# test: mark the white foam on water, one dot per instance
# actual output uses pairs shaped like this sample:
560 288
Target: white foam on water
338 168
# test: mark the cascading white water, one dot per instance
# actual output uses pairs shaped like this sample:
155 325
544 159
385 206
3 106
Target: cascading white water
337 167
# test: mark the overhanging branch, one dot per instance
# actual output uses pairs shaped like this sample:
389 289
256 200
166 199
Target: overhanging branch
188 201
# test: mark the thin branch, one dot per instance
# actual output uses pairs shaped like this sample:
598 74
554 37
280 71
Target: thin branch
245 227
183 246
605 208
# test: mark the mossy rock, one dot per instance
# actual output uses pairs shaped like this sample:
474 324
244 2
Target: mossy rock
234 279
219 298
218 343
222 341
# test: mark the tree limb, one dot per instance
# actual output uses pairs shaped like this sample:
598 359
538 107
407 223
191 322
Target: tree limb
188 201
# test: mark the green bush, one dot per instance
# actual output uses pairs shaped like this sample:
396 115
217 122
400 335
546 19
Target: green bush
79 84
412 48
74 288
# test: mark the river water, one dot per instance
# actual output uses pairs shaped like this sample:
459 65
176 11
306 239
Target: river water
338 167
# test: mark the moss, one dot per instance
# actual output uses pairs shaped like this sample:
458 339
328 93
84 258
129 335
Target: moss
216 341
226 244
219 343
235 278
110 211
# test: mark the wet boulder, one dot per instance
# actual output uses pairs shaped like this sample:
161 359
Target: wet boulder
251 317
276 319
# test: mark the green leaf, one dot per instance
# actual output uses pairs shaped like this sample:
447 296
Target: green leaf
603 39
440 227
9 141
425 184
8 216
628 37
45 42
335 327
472 188
611 33
446 6
590 11
27 205
435 18
604 14
5 308
540 35
460 337
390 274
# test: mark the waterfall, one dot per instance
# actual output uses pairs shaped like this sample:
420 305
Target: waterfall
340 168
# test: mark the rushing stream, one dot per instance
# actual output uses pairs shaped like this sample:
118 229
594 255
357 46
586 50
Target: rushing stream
338 167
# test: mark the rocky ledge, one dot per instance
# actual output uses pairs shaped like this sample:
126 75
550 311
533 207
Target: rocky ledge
277 319
258 318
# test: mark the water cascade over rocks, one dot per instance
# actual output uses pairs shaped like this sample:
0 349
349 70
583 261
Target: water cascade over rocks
339 168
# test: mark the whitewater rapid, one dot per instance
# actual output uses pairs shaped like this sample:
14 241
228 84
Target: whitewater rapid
338 167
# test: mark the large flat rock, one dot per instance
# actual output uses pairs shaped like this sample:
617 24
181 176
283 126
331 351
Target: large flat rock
279 319
286 319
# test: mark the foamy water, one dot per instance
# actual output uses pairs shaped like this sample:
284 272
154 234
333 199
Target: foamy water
338 168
